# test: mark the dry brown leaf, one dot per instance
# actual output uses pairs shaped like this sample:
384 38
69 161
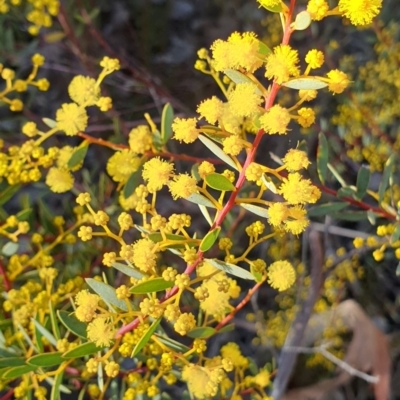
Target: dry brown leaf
367 352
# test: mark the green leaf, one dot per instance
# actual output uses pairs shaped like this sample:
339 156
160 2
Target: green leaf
347 191
8 193
151 286
398 269
363 176
127 270
166 122
274 9
263 48
46 360
227 328
56 389
337 175
50 122
217 151
12 362
78 328
372 217
322 157
230 269
156 140
38 339
257 210
302 21
239 77
9 249
132 183
16 372
54 323
199 199
77 156
107 293
206 214
350 215
219 182
209 240
387 173
257 275
267 181
182 241
47 334
201 332
308 83
396 234
85 349
326 209
146 337
172 344
24 215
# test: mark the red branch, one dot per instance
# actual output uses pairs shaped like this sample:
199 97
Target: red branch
239 306
6 281
241 180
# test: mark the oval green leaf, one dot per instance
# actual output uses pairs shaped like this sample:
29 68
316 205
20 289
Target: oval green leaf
201 332
12 362
302 21
54 323
16 372
350 215
209 240
238 78
77 156
347 191
8 193
46 360
199 199
326 209
322 157
85 349
78 328
146 337
363 176
172 344
260 211
230 269
127 270
44 332
274 9
217 151
306 83
9 249
166 122
387 173
219 182
132 183
50 122
263 48
396 234
154 285
107 293
227 328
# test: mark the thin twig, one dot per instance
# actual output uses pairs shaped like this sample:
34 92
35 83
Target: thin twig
337 361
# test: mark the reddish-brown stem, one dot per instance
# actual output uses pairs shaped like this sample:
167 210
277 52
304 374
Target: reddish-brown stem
8 395
241 180
358 203
247 298
6 282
